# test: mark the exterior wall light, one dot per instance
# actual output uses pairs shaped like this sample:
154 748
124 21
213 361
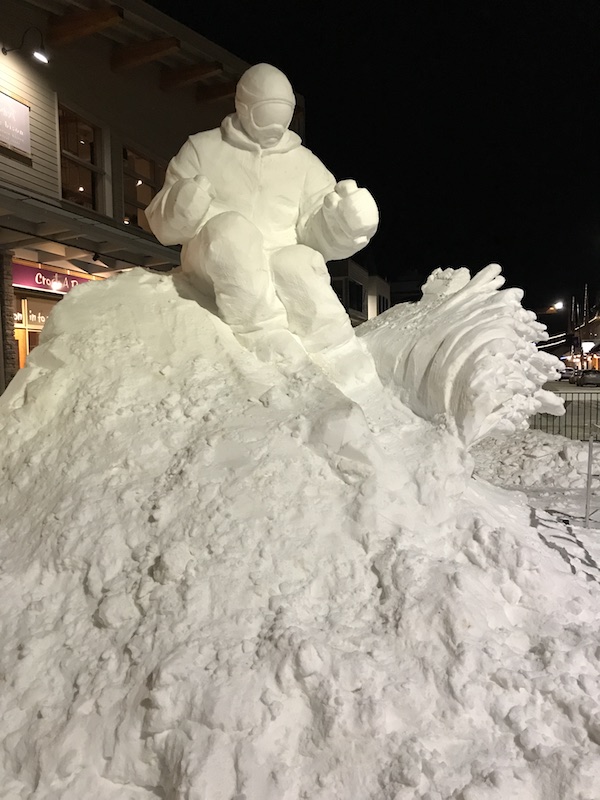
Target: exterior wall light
38 53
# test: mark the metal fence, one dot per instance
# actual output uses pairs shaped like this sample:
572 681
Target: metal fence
582 415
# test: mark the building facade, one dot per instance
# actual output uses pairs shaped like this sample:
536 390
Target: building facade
84 143
364 296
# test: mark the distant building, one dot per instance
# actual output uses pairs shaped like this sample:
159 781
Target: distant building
363 296
379 299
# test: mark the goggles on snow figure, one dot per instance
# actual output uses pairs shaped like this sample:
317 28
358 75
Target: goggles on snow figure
270 112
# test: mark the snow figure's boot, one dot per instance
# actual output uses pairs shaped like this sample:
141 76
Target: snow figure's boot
350 367
278 347
315 314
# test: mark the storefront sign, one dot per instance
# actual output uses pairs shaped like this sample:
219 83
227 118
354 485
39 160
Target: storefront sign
14 125
38 311
45 280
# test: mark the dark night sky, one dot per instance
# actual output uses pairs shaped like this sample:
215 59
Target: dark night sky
474 124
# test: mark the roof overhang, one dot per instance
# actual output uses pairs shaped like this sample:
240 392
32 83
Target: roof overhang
50 231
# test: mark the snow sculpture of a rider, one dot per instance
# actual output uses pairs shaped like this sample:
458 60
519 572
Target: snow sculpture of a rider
258 216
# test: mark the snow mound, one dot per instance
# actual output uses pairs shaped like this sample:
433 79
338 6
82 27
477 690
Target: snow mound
221 583
534 459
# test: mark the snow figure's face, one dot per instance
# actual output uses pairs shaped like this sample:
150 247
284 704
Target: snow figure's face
264 102
265 122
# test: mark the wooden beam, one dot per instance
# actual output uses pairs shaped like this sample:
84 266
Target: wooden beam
8 237
128 56
217 91
154 262
183 76
78 24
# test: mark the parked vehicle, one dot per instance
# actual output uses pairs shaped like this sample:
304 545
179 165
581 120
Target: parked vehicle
566 373
574 376
588 377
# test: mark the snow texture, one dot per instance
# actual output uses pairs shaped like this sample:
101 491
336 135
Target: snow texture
477 365
223 581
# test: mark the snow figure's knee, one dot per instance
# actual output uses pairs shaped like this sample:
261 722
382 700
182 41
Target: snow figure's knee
300 263
231 239
316 262
230 225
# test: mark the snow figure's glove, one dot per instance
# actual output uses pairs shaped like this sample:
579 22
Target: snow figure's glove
466 354
177 212
352 212
190 201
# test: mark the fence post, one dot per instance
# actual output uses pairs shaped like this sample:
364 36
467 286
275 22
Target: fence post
588 488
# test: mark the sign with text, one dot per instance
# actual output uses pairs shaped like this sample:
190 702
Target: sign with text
14 125
45 280
38 311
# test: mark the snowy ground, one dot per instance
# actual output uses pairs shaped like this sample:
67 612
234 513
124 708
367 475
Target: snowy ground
552 472
218 582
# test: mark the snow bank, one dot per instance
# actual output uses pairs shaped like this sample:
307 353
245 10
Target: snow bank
534 459
218 582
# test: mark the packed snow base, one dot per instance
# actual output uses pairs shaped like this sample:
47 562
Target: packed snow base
219 582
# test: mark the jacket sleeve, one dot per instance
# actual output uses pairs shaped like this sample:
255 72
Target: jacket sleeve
176 212
315 227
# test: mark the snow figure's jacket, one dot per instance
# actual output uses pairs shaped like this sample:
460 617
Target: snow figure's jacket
258 215
281 190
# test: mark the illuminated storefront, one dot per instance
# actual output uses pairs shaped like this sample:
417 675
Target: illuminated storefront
37 289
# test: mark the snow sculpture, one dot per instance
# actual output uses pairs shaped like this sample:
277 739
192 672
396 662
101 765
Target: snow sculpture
474 364
204 595
258 215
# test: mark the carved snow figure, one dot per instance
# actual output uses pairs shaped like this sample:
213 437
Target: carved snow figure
258 216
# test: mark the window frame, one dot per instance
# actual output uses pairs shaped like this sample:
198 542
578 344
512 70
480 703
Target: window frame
360 310
383 304
99 168
159 168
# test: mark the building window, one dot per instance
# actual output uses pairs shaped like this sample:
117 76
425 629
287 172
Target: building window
338 287
142 179
355 295
382 304
30 315
80 161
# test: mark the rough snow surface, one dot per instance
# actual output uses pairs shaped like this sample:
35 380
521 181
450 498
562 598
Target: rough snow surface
221 583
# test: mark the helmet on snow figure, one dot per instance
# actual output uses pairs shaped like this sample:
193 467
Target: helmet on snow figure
264 102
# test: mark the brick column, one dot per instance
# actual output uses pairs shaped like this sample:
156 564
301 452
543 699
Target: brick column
9 361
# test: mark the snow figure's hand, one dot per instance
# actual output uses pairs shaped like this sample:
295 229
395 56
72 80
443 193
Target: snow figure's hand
466 354
177 214
205 186
354 210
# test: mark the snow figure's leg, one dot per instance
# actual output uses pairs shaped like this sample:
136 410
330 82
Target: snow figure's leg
228 255
314 312
318 318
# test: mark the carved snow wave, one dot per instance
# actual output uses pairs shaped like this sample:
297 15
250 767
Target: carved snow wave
475 364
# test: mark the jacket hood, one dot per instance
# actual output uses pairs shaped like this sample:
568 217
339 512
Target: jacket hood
234 134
